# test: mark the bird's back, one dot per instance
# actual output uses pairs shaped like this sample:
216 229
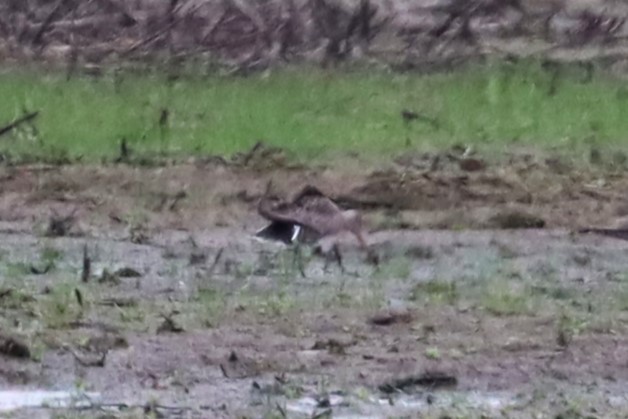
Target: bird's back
310 208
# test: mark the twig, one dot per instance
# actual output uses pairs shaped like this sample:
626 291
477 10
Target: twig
178 197
281 410
36 270
119 302
216 260
158 33
209 34
128 18
79 296
47 22
170 18
124 151
24 118
87 263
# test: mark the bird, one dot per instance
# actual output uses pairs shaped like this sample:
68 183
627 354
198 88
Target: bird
310 217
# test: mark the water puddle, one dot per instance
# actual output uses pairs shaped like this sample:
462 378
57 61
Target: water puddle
14 400
371 406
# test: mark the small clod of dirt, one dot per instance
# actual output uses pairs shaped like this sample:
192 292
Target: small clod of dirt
333 346
432 380
557 165
169 325
372 257
390 317
236 367
127 272
514 219
582 259
138 235
108 277
420 252
105 342
563 338
471 165
59 226
197 258
13 347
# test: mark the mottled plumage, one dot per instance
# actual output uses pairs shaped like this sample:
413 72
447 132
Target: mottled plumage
316 214
308 218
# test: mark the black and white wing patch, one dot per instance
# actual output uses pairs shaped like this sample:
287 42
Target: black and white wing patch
279 231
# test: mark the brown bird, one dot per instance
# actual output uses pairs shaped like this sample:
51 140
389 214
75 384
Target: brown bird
308 218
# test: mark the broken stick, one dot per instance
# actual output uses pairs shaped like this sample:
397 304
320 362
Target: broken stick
24 118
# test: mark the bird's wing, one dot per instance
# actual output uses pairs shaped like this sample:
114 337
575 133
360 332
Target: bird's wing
310 211
277 230
315 202
308 191
318 206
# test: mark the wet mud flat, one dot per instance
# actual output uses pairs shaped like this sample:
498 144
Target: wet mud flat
213 323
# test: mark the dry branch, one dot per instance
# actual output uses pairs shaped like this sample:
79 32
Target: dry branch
256 33
22 119
90 22
87 263
146 41
37 38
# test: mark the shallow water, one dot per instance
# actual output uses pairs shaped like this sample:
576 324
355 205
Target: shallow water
14 400
374 406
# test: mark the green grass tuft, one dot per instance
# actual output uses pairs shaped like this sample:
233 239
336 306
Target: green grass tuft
507 299
436 290
312 113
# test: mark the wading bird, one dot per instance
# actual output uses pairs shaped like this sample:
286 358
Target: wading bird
310 217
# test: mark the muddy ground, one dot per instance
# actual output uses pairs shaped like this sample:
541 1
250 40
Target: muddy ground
185 314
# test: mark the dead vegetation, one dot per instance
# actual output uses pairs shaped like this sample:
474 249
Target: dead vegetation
250 35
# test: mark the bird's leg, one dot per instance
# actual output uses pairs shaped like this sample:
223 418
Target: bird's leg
370 255
336 251
326 265
298 259
361 240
